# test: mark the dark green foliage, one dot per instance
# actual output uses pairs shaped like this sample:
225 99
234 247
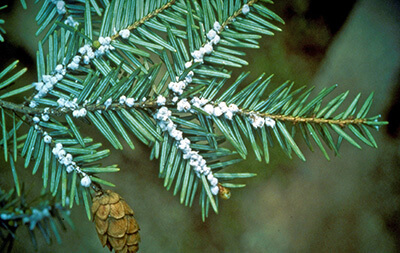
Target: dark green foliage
163 34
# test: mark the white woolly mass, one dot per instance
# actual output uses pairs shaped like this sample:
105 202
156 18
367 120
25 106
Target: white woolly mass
59 68
213 181
104 40
224 108
58 76
87 54
86 59
216 110
130 102
108 102
245 9
228 115
202 51
86 181
47 138
38 85
213 38
105 46
71 22
122 100
48 79
161 100
176 134
197 162
33 104
197 56
82 50
216 40
70 104
189 79
45 117
56 150
184 145
208 48
269 122
124 33
198 102
209 108
258 121
60 5
211 34
177 87
183 105
188 64
167 125
73 65
70 168
47 84
79 113
61 102
214 190
76 59
90 53
216 26
234 108
67 160
36 119
162 114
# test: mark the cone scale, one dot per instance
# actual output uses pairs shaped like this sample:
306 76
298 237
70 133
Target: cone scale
115 225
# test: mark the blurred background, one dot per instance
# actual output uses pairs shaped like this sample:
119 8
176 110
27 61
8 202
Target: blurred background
348 204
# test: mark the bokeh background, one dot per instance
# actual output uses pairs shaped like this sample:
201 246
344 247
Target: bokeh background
348 204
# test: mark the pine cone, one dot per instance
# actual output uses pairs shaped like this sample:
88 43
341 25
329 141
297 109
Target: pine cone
114 222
